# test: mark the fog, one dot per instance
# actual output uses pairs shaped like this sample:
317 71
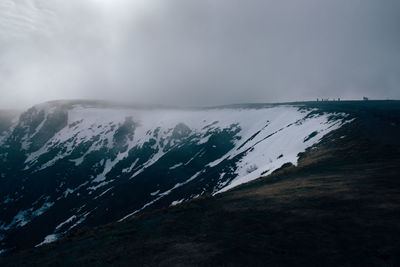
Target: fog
204 52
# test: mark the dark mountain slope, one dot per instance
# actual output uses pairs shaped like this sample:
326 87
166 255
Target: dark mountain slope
71 164
340 206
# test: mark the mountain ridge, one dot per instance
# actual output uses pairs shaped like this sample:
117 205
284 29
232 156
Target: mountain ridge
69 164
339 206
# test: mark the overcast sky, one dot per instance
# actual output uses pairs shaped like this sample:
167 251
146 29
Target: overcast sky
200 52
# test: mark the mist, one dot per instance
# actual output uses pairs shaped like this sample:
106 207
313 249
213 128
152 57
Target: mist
205 52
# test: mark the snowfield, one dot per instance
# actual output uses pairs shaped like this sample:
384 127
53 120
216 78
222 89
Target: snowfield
269 132
149 157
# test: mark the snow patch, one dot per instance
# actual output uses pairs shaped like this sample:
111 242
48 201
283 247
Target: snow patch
176 166
155 193
47 240
69 220
25 216
162 195
176 202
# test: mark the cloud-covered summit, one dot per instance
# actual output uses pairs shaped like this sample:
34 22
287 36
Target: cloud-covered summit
197 52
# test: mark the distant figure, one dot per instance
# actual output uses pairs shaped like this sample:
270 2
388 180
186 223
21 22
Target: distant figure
317 99
365 98
338 99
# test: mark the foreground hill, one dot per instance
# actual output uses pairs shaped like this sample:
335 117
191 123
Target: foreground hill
69 164
339 206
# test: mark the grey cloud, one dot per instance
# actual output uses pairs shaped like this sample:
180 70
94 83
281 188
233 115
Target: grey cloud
198 52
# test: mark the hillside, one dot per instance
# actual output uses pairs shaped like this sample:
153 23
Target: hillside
339 206
65 165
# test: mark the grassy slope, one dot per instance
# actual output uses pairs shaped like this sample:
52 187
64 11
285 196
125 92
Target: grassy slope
339 206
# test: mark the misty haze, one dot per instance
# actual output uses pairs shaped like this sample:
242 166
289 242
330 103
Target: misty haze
199 133
199 52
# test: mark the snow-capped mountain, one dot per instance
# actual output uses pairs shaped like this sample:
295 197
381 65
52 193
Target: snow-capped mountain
64 165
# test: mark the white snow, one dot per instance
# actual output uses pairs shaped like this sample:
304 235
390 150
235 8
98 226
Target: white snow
8 200
104 192
162 195
69 220
127 170
23 217
262 136
81 220
48 110
107 168
67 192
195 156
155 193
204 139
93 188
48 239
103 122
176 202
42 209
276 140
176 166
53 237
